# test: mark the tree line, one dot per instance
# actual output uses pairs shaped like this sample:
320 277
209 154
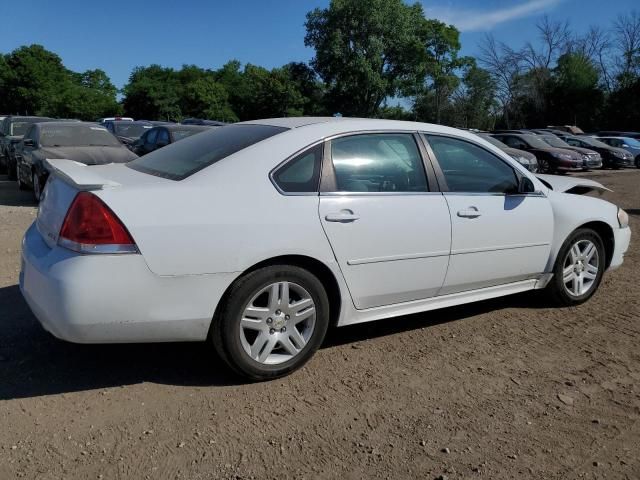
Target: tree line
381 58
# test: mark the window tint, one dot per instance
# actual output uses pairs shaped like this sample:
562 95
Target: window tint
514 142
378 163
163 137
186 157
151 136
302 173
469 168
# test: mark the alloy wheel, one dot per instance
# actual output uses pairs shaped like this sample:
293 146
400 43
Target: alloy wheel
277 323
580 268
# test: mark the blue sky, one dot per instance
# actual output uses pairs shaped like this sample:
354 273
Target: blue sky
117 35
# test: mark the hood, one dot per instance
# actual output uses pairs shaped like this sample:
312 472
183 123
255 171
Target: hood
584 151
515 152
127 140
90 155
575 185
622 151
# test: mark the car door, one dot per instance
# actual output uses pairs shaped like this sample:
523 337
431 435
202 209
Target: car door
390 233
498 235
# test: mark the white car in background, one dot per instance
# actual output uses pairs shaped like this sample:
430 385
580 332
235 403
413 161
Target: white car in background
259 235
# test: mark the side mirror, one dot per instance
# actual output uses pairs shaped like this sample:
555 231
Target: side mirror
525 185
28 142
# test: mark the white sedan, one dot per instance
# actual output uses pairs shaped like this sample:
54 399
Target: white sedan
258 236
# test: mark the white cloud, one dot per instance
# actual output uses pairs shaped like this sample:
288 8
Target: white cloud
469 20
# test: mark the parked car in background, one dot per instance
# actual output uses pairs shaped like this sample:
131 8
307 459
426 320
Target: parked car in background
572 129
11 131
82 142
156 123
225 238
126 131
629 144
615 133
164 135
200 121
612 157
526 159
111 119
550 159
590 158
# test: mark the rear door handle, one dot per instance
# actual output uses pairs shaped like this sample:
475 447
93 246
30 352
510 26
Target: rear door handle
471 212
343 216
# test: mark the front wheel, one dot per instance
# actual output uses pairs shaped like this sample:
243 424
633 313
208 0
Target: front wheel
638 161
544 166
271 322
578 269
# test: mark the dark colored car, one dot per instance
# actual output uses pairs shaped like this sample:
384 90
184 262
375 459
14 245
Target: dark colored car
126 131
550 159
84 142
612 157
161 136
616 133
630 144
590 158
200 121
526 159
12 129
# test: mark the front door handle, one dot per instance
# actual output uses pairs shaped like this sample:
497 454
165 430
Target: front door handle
343 216
471 212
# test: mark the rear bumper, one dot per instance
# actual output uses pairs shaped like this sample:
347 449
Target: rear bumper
621 237
114 298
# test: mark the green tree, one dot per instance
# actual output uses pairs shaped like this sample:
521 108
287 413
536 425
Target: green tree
153 92
475 103
366 51
206 98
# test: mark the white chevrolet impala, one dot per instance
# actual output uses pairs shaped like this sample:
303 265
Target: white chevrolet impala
258 236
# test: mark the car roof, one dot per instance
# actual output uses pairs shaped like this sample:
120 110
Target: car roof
179 126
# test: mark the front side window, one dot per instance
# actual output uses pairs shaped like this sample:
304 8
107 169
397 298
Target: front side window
514 142
302 173
151 136
385 162
470 168
163 137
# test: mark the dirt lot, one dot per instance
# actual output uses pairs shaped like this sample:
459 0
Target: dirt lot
501 389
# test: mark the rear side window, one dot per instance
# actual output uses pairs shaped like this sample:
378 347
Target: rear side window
186 157
302 173
385 162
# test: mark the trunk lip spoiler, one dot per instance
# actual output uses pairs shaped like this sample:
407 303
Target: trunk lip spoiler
77 174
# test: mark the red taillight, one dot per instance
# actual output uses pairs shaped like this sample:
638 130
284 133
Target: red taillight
90 224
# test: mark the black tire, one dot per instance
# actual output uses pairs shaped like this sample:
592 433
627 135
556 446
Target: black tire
37 186
544 166
556 289
11 171
638 161
225 327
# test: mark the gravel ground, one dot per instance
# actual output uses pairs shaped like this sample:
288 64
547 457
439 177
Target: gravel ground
500 389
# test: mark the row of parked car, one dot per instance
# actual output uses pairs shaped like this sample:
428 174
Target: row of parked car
25 142
551 150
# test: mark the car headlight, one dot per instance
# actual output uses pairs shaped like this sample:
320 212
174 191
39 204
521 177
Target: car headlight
563 156
623 218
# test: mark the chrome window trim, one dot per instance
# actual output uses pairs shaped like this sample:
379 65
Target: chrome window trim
375 194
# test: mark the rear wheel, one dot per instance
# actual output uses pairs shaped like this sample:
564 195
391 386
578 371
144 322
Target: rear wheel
544 166
37 188
578 269
271 322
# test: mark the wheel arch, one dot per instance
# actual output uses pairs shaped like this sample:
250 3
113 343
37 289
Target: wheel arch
316 267
606 234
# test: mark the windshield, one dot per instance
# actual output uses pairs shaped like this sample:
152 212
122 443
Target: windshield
592 141
555 141
632 142
181 159
131 130
493 141
535 141
187 132
76 135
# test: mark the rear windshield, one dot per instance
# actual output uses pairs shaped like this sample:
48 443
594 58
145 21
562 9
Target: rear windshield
76 135
131 129
182 159
180 133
